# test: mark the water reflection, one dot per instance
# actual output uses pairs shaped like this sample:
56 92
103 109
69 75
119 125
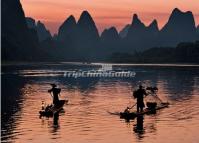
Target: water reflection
180 85
11 104
85 118
55 124
138 127
84 85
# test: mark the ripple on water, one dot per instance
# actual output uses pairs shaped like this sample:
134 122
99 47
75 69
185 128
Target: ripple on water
86 119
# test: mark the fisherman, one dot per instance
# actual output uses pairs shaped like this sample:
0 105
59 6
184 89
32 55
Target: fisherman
139 94
56 93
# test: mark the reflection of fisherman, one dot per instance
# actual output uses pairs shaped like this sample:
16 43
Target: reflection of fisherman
139 94
56 92
138 128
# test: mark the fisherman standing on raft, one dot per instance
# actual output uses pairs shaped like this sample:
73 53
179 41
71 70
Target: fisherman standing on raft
139 94
56 93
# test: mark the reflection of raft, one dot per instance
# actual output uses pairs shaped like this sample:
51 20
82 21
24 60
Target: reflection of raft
132 115
50 110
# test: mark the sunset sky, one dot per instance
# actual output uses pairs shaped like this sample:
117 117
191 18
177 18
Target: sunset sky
106 13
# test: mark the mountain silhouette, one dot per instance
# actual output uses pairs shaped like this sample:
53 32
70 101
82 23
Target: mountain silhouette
182 53
179 28
137 28
87 25
153 28
43 33
151 35
86 37
67 39
110 34
39 27
124 31
33 31
31 23
24 39
139 36
67 29
197 30
78 40
110 41
18 41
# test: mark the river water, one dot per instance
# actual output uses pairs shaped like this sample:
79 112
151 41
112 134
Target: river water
86 118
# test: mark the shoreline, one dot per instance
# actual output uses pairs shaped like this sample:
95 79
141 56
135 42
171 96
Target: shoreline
100 63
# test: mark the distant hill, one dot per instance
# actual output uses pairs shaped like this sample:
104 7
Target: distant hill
109 42
182 53
19 43
15 34
79 40
179 28
67 29
39 27
140 36
197 30
124 31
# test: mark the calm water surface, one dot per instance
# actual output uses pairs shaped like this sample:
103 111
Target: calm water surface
86 118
